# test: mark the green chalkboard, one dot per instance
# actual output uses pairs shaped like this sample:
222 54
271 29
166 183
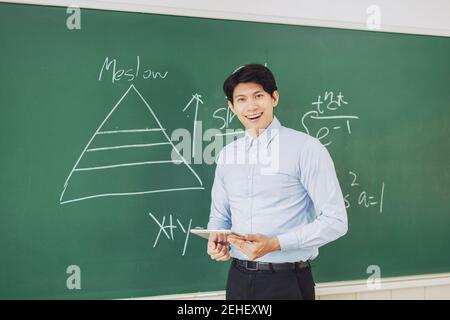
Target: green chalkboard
94 202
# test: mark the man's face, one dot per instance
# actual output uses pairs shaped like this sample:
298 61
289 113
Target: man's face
253 106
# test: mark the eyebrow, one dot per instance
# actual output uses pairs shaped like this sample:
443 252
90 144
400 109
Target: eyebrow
243 95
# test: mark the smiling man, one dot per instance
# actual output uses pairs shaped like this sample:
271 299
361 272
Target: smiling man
284 214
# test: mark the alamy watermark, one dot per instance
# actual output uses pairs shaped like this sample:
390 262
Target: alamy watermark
374 281
73 21
205 146
373 21
74 279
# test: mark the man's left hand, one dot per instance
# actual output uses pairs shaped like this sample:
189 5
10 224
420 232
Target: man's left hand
255 245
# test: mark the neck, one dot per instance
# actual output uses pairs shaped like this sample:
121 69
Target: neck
254 132
257 132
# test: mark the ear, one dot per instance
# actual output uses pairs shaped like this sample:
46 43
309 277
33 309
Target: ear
230 104
275 98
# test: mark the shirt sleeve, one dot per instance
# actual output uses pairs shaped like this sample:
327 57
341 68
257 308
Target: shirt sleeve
220 214
318 176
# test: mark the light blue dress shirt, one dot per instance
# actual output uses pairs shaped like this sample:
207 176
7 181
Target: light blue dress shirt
282 183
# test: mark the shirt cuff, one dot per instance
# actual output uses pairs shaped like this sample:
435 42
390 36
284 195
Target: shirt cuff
218 225
288 241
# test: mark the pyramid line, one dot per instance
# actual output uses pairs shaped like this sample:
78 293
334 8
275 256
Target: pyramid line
130 130
127 165
130 193
128 146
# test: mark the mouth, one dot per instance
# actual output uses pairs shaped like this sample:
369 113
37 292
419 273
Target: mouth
254 117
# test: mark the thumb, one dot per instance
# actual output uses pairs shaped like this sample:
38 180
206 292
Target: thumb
251 237
211 245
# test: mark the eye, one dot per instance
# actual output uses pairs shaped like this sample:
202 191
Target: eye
240 100
259 95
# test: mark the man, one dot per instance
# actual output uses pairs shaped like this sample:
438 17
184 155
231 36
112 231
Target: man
276 187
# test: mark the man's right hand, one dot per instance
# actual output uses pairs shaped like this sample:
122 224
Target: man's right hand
218 251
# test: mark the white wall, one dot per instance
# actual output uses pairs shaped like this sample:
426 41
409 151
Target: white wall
408 16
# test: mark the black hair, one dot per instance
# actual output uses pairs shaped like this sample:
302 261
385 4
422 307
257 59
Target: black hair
256 73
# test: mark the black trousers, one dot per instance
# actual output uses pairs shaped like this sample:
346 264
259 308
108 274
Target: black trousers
245 284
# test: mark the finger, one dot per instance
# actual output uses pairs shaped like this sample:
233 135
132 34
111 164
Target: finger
211 245
235 237
213 252
224 250
235 244
217 248
239 244
218 255
249 250
224 258
252 237
211 248
222 238
212 237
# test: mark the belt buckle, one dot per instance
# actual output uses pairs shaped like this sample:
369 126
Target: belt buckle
256 264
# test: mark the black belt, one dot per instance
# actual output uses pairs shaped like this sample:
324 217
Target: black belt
266 266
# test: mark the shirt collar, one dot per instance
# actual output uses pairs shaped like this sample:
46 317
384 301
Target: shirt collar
266 136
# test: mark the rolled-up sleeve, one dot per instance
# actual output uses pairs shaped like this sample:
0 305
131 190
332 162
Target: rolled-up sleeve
318 176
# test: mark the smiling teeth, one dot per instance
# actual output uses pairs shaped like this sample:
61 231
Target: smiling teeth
253 116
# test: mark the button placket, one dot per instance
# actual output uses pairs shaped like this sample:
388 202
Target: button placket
249 196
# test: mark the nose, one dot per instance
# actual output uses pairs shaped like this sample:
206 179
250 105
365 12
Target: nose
252 105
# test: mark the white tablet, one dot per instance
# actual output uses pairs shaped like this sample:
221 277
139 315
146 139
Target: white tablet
216 235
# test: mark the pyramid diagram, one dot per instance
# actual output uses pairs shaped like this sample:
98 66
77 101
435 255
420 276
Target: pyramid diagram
130 153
